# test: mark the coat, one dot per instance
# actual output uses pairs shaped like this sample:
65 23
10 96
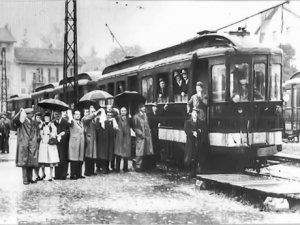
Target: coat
143 136
154 120
62 146
195 146
184 86
123 138
76 141
27 150
36 141
105 140
90 136
178 89
199 103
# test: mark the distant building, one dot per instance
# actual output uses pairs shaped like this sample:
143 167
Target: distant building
280 26
29 68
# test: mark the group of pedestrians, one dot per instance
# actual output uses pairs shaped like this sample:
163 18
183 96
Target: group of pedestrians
99 140
5 127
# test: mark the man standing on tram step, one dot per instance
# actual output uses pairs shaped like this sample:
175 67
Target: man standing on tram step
7 127
26 154
89 122
106 141
62 126
198 101
123 140
76 145
154 123
141 128
196 133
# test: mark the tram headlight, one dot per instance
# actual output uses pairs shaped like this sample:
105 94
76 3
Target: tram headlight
285 97
236 98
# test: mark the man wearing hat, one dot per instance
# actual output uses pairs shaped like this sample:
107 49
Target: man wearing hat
141 128
7 126
185 81
178 84
26 149
198 101
162 91
2 134
154 123
196 133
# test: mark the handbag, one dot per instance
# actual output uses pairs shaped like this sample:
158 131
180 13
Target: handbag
52 141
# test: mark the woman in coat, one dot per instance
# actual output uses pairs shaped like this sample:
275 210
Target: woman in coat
48 154
195 130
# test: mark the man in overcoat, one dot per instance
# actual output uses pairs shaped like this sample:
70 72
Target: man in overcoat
141 128
76 145
106 134
123 140
89 122
37 127
196 133
199 101
7 127
27 152
62 126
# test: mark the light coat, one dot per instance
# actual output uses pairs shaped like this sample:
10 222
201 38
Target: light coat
76 142
143 136
90 136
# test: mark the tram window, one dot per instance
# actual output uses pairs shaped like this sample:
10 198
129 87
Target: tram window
163 93
110 88
259 81
180 85
147 88
102 87
121 87
239 81
274 84
218 82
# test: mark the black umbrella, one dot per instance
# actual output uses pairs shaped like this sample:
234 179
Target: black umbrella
128 98
53 104
85 104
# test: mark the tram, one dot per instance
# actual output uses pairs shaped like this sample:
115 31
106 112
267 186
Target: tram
245 128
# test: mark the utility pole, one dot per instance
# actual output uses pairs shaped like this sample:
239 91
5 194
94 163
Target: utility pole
70 52
4 81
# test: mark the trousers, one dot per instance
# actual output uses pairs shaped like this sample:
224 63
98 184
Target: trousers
27 174
76 169
118 163
89 166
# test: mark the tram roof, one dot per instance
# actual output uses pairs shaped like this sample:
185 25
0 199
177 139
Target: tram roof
295 79
91 76
205 41
19 97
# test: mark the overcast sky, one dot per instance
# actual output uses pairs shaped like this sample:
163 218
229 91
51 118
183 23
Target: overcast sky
159 24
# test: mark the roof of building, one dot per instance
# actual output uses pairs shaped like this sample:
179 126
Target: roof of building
6 36
41 56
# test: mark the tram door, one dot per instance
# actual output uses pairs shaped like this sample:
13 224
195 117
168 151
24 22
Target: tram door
200 73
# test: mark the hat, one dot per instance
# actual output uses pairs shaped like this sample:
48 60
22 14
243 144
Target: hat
141 105
154 104
28 110
195 109
199 83
161 79
176 74
38 114
183 72
47 114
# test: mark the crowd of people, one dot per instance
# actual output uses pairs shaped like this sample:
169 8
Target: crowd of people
100 140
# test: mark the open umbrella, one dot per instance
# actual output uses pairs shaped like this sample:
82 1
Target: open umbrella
96 95
129 99
86 104
53 104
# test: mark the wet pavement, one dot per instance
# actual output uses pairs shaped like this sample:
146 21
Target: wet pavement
124 198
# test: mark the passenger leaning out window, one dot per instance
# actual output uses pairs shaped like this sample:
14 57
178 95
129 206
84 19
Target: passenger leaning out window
163 95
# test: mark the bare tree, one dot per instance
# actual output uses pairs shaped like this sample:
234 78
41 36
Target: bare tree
54 38
25 43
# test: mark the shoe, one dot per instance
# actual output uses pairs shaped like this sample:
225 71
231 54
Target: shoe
87 175
105 172
26 183
125 170
63 178
73 178
43 177
81 177
33 181
50 180
117 170
94 174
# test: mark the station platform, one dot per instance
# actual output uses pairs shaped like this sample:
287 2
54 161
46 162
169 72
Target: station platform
254 189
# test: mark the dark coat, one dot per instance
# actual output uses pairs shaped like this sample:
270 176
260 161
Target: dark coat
62 146
178 89
27 148
195 146
163 92
185 86
90 136
123 138
105 140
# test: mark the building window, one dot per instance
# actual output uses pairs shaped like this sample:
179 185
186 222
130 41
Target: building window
40 75
147 88
71 72
218 82
23 90
261 38
57 74
49 75
23 74
274 36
